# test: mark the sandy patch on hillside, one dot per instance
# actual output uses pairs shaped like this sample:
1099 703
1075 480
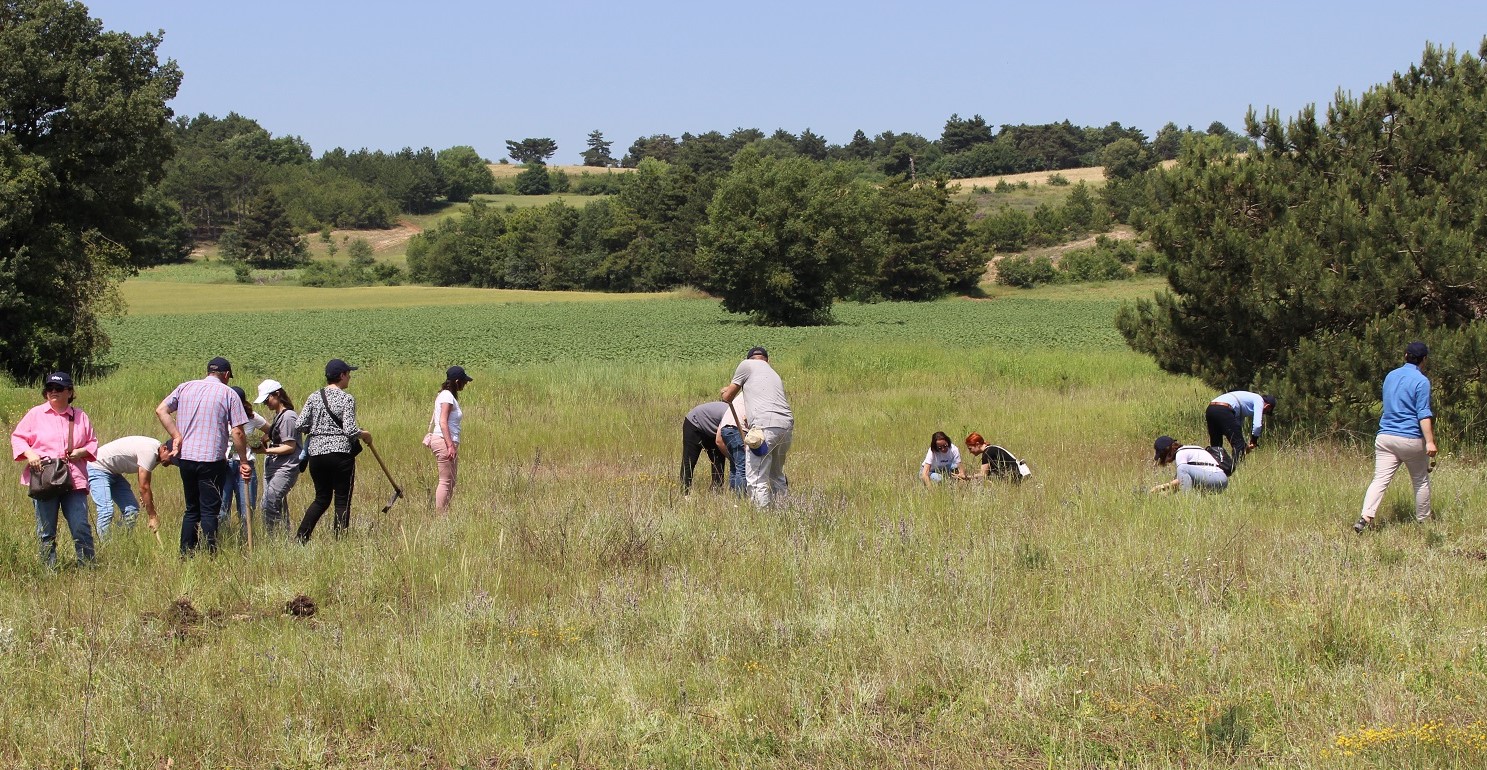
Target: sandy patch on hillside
1055 253
1095 175
504 170
381 240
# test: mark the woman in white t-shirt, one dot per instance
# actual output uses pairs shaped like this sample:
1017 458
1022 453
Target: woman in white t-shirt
942 460
234 487
443 438
1196 468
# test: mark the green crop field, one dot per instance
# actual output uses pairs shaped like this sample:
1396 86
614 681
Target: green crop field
576 611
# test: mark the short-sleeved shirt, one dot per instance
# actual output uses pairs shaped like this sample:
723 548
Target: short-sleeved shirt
738 406
130 454
948 460
283 428
456 415
255 422
206 410
1194 455
999 461
708 417
764 392
1406 402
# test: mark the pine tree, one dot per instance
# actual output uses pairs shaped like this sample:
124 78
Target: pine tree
1303 268
597 153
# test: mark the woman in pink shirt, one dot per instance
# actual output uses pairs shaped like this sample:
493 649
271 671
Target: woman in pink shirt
44 432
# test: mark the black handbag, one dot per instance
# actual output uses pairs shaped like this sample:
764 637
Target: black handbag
54 478
355 440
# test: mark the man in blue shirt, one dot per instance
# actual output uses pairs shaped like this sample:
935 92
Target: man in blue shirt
1225 418
1406 435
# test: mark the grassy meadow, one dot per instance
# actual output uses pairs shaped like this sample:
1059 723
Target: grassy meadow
576 611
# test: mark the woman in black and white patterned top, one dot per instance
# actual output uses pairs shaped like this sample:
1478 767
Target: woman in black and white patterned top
329 419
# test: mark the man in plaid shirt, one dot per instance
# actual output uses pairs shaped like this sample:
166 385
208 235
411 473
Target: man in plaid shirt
201 415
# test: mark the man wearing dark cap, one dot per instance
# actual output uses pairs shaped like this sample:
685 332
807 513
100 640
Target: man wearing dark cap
1406 436
1225 418
771 425
202 417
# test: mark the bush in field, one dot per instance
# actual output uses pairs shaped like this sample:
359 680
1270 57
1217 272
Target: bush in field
465 173
535 180
1092 264
1058 180
1006 230
265 237
1024 271
597 184
1305 267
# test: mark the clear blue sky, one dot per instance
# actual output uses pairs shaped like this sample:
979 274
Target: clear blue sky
384 75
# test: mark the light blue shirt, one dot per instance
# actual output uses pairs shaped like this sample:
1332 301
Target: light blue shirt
1246 404
1406 403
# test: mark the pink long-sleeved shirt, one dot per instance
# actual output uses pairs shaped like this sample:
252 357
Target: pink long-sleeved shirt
45 432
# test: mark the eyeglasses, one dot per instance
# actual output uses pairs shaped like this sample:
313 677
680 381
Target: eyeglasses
54 389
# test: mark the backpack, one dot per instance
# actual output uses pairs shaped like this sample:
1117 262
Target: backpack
1222 459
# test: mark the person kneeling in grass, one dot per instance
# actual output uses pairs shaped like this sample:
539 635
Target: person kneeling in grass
942 460
1196 467
995 461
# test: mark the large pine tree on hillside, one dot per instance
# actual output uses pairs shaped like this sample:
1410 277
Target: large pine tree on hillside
1304 268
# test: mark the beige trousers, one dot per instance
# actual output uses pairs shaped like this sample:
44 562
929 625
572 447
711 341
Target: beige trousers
1389 453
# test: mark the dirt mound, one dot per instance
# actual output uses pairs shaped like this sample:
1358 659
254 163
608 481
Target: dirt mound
300 606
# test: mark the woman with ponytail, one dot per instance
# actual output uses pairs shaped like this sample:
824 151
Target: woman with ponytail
443 438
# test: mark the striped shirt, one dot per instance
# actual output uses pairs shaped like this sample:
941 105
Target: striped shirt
206 410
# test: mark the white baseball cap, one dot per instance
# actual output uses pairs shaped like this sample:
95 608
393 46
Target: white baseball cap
266 387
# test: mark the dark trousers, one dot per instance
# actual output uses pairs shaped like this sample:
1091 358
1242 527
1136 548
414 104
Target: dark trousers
694 441
334 476
202 484
1224 422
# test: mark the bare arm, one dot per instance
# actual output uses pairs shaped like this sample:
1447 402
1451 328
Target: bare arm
240 443
1427 426
147 498
718 440
924 474
450 444
728 393
168 421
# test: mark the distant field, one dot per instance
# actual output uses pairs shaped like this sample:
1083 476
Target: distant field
504 170
166 297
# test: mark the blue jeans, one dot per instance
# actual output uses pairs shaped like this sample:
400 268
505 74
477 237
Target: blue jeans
737 480
74 507
109 490
244 493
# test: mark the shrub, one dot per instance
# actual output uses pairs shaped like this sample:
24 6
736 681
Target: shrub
1025 272
1058 180
1093 264
1006 230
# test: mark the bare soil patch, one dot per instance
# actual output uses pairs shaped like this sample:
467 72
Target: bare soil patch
507 170
1055 253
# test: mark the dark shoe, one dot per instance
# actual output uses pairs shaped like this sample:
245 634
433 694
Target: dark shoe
1360 526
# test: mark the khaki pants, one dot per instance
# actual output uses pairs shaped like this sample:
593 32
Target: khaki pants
1389 453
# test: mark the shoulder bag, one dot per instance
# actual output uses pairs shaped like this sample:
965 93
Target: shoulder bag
54 478
355 440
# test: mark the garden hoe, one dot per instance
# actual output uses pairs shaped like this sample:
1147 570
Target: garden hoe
397 491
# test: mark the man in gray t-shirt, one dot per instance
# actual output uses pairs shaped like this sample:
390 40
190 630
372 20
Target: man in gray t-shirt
698 432
108 481
769 415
